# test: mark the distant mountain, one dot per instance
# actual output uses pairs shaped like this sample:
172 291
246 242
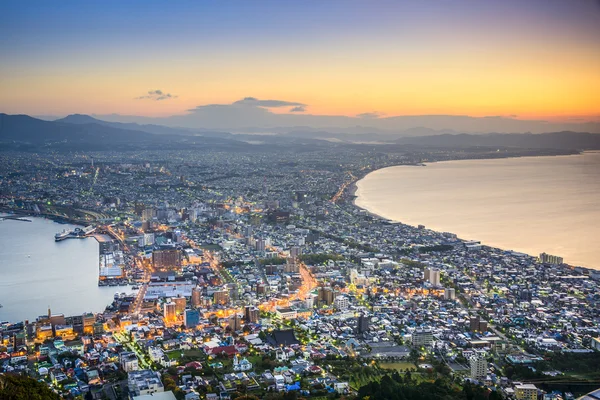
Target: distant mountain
552 140
83 132
23 128
81 119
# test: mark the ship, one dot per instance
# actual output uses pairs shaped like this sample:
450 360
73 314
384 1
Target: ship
62 235
76 233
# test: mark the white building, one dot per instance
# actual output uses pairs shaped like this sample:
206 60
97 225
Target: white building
241 365
128 361
422 337
434 277
144 382
478 367
341 303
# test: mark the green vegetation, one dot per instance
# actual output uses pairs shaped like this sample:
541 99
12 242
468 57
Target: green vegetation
577 365
398 366
18 387
396 387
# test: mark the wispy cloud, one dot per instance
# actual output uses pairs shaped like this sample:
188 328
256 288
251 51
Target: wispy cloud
374 114
298 109
157 95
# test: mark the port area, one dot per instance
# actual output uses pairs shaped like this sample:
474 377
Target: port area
77 233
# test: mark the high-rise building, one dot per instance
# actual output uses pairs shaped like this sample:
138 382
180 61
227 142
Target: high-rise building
260 244
449 293
363 323
168 259
295 251
169 312
427 274
341 302
545 258
479 367
196 297
88 323
148 214
180 304
474 323
434 277
191 318
221 297
251 314
325 296
235 322
422 337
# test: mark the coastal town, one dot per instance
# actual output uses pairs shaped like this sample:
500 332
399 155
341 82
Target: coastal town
255 274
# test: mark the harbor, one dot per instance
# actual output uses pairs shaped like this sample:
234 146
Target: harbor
77 233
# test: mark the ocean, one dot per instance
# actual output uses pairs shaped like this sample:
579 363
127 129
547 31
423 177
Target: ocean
528 204
36 272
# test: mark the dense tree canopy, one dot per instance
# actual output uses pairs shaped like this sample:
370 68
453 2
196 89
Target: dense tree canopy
18 387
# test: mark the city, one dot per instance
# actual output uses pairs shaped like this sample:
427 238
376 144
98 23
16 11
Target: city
263 277
315 200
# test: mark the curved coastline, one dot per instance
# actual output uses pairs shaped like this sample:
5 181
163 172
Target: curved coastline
355 195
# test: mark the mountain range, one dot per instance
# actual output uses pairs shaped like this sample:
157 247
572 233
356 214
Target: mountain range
84 131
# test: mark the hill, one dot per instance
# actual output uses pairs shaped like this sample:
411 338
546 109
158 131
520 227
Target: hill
17 387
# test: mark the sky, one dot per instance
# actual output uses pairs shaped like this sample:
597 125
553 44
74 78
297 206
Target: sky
534 59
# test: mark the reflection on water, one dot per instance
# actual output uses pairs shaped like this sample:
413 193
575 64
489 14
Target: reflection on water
530 204
36 272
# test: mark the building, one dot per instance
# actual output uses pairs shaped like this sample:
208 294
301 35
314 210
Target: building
363 323
325 296
251 314
295 251
191 318
169 312
422 337
449 293
550 259
128 361
434 277
479 367
88 321
221 297
474 324
235 322
169 259
285 313
341 303
526 392
144 382
180 304
196 297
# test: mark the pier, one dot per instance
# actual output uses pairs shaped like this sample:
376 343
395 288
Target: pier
14 218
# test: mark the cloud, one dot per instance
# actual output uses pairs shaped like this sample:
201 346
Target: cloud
298 109
157 95
253 101
374 114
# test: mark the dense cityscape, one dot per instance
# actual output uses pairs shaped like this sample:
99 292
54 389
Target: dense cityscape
241 274
314 200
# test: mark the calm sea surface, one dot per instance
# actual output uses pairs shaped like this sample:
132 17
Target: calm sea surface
530 204
37 272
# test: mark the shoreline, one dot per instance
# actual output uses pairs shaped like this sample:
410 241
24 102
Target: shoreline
41 217
353 189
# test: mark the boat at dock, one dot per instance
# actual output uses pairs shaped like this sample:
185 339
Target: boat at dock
77 233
